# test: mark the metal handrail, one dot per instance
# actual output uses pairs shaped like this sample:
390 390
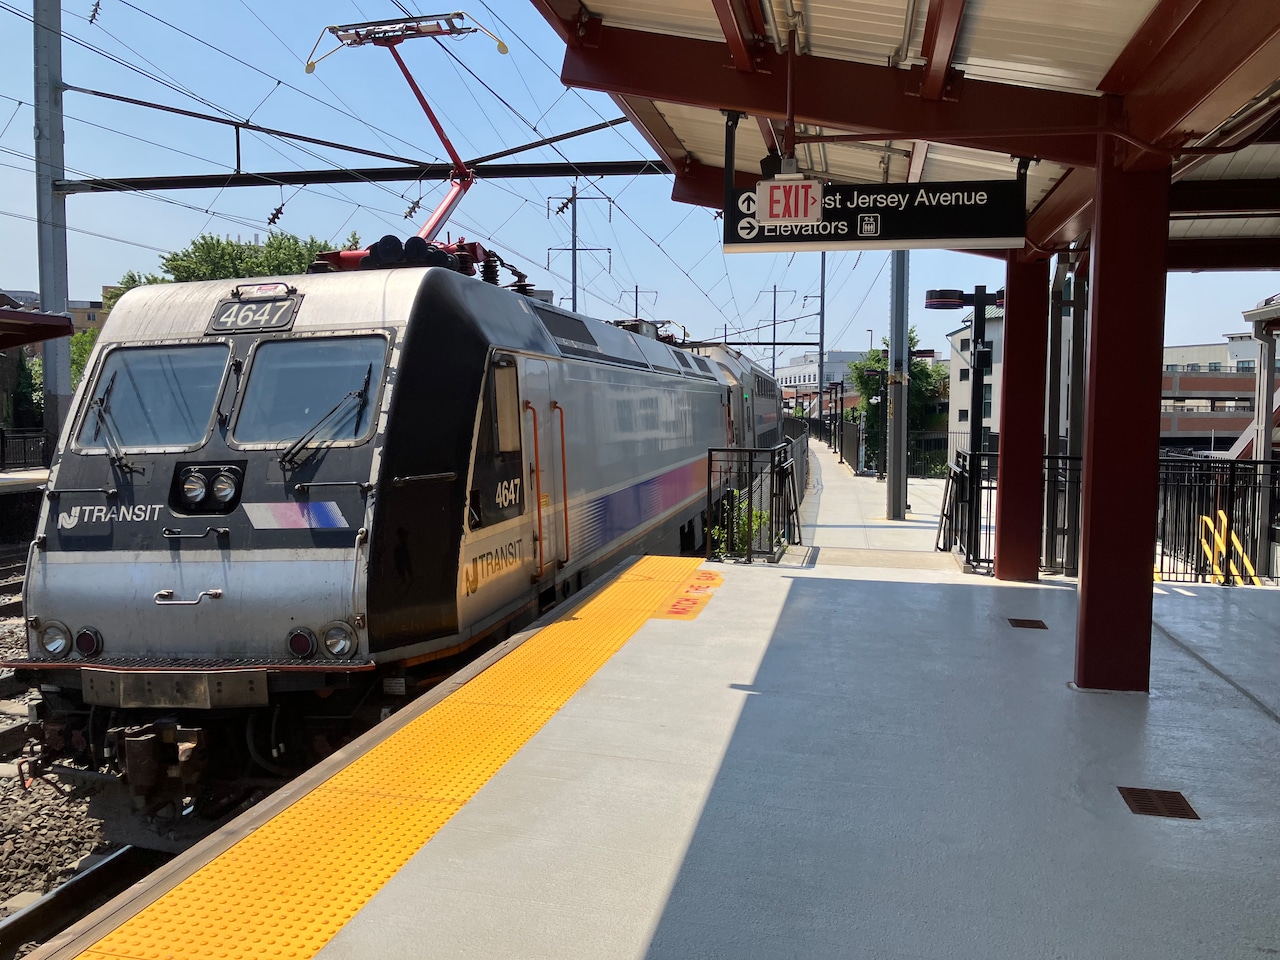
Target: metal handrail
564 480
537 488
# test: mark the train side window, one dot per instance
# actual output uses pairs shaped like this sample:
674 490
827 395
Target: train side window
497 492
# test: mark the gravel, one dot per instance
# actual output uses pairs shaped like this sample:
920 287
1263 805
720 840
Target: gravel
45 830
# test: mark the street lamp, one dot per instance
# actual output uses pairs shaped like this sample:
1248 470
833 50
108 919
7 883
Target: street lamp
979 357
979 350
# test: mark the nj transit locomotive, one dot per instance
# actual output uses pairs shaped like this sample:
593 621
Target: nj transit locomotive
290 491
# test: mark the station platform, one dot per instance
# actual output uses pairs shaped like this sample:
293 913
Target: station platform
853 753
24 480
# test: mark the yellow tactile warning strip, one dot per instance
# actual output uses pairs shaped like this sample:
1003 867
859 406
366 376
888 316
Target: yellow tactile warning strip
286 889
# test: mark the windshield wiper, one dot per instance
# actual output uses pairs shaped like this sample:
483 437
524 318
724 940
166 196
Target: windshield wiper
291 451
364 399
115 449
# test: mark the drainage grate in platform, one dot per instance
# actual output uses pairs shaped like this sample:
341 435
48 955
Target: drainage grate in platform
1028 624
1158 803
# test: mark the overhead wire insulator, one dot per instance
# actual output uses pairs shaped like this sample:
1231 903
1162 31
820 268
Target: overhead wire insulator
276 214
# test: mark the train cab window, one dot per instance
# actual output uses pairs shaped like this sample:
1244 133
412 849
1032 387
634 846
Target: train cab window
322 389
148 397
497 486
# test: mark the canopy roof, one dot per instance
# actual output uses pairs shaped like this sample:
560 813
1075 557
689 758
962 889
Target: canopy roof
944 90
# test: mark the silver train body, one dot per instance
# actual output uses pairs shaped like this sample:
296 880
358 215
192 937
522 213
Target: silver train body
298 484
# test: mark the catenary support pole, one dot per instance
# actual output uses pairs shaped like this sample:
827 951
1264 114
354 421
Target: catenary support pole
1121 457
51 207
1020 483
899 377
822 328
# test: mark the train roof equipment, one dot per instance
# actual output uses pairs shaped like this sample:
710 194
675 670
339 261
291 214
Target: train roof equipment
419 250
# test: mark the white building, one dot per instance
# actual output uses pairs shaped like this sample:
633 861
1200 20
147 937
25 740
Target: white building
1224 397
959 414
800 376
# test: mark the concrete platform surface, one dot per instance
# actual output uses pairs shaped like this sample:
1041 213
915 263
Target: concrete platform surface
852 760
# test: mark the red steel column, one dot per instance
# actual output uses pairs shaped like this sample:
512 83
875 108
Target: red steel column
1020 482
1122 425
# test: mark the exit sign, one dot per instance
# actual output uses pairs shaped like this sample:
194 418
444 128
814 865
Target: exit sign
789 201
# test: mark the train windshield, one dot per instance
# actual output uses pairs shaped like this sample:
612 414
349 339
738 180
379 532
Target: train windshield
154 397
311 390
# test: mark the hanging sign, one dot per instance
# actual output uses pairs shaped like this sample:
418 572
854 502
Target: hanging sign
966 215
789 200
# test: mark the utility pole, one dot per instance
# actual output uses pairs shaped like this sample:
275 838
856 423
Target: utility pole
51 207
571 201
773 369
637 293
822 323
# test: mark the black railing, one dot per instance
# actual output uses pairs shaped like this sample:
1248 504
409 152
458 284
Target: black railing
1217 519
21 449
753 499
967 520
1060 548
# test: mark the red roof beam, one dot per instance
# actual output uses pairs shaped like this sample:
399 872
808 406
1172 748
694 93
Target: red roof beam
568 18
622 63
738 31
1192 65
653 126
1237 198
941 31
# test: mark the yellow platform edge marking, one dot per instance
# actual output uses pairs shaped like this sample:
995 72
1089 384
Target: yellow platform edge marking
286 889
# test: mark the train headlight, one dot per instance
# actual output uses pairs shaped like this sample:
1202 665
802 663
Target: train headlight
55 639
339 640
224 487
302 643
88 642
194 487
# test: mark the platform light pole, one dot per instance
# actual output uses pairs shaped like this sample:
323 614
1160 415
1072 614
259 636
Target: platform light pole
979 357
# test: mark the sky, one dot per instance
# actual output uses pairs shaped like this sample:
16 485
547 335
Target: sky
245 60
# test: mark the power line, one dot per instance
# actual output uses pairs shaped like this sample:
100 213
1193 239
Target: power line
90 233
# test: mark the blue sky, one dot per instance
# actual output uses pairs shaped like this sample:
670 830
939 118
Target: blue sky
670 251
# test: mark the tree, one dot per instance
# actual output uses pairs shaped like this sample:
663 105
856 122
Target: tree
208 257
926 390
81 346
28 396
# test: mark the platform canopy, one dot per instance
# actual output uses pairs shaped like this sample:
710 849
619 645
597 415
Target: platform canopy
20 327
950 90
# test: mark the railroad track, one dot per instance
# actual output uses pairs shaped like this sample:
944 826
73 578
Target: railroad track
13 571
79 896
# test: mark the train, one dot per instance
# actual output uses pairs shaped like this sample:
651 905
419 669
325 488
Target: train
282 501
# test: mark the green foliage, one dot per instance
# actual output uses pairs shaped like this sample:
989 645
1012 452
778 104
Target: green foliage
926 389
208 257
746 524
28 396
81 346
214 258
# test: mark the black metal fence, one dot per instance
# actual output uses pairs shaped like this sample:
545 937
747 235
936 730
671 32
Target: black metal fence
1063 483
22 449
753 499
1217 519
967 520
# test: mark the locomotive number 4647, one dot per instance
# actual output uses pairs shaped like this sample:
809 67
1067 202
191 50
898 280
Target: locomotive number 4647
235 316
508 493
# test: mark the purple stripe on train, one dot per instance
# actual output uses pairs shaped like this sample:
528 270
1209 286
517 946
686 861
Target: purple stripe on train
598 522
